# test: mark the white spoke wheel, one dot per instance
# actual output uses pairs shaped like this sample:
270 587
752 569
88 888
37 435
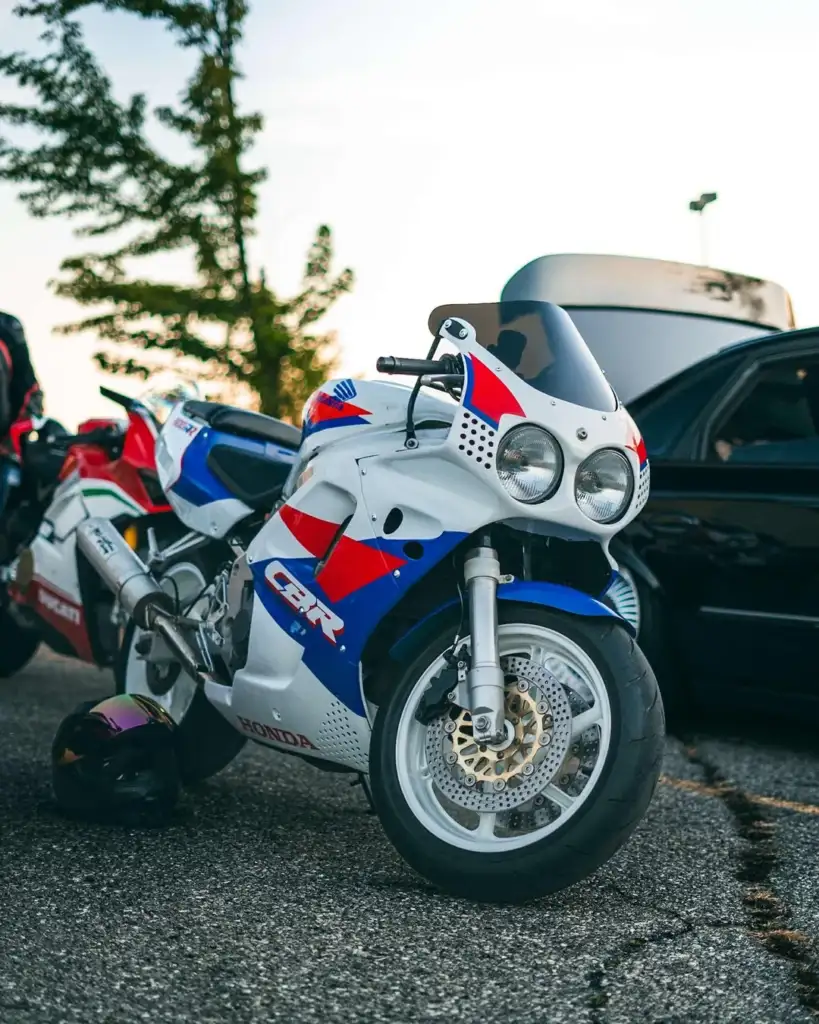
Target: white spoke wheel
559 795
206 741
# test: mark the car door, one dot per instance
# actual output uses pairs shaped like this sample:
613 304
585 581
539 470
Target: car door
732 529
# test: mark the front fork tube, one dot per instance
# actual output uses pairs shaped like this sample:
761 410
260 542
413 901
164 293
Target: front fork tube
485 678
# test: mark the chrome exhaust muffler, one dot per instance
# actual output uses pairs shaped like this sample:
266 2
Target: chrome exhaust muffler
122 571
127 576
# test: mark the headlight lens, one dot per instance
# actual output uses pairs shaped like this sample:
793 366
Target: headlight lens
529 464
603 486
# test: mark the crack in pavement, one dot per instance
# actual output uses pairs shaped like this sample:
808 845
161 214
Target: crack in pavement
597 979
767 915
671 912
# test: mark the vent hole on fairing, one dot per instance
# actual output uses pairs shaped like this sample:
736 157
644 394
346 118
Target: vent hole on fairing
394 519
414 549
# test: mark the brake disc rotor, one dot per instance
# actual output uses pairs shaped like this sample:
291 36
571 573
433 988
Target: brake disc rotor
498 777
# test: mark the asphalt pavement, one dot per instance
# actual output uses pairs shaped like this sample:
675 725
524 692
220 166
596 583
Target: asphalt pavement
275 897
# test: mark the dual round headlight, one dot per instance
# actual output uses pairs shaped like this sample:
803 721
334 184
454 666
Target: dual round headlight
530 465
603 486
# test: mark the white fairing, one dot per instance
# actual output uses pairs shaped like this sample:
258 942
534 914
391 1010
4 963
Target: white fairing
375 406
213 518
174 439
53 551
287 706
301 685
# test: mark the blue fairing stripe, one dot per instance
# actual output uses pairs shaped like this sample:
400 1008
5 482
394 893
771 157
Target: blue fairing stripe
336 665
547 595
196 482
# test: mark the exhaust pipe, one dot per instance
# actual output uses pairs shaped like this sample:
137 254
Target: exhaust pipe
127 576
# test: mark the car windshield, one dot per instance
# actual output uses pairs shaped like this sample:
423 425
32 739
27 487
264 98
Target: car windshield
539 342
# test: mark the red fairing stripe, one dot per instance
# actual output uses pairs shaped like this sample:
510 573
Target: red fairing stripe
487 396
324 407
638 446
352 565
314 534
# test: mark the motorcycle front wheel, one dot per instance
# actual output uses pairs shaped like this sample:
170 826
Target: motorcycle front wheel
546 807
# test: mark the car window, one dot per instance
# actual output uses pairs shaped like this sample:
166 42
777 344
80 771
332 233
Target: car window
663 422
776 421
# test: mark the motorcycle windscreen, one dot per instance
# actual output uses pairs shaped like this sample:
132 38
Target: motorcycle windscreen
539 342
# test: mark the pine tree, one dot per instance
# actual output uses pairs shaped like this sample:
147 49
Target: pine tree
93 161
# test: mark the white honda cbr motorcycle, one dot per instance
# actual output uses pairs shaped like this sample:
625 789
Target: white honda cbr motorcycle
422 603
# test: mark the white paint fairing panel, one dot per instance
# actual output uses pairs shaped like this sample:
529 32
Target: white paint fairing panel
276 700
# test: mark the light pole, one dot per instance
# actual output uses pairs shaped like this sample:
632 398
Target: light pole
698 206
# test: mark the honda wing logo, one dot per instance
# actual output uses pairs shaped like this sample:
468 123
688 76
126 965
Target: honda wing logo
345 390
301 600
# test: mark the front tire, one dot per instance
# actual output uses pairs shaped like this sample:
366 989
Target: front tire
643 607
206 742
587 680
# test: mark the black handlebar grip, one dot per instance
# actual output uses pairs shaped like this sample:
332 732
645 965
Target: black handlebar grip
411 367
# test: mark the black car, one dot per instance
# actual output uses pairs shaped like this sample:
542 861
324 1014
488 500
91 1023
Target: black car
722 566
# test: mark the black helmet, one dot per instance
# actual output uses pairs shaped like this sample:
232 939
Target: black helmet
115 760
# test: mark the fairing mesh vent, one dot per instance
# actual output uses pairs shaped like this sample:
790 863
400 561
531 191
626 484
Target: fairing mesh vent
338 737
475 439
643 487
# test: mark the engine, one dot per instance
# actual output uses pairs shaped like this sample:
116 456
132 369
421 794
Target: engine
229 616
211 647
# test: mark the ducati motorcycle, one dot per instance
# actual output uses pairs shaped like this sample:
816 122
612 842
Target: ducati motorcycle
48 593
420 599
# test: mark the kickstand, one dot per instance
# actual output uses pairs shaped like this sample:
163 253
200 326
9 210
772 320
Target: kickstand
364 782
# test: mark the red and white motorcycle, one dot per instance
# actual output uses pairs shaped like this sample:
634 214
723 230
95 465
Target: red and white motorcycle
55 480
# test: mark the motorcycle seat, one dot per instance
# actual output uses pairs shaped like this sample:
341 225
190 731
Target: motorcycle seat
253 425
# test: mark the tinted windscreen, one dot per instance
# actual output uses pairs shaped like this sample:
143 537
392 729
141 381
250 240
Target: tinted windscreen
538 342
639 349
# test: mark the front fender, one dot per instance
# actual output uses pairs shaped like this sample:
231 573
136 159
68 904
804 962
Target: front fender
547 595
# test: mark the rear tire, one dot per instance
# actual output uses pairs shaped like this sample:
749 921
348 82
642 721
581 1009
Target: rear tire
493 869
17 645
206 742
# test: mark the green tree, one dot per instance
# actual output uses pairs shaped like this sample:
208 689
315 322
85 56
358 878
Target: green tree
92 160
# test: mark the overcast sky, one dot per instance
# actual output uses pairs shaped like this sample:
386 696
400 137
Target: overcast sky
448 142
